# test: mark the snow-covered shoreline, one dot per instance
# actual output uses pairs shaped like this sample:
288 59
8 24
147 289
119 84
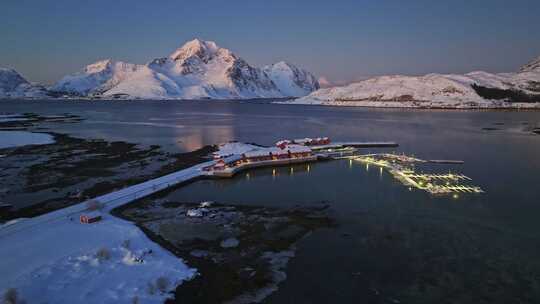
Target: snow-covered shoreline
412 105
54 257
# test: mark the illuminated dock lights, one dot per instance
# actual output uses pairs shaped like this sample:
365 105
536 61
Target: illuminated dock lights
402 168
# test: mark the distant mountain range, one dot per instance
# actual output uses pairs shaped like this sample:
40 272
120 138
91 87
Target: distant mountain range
197 70
473 90
202 70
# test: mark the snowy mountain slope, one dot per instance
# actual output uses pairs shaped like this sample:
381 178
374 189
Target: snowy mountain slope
96 78
147 83
472 90
534 65
290 80
197 70
13 85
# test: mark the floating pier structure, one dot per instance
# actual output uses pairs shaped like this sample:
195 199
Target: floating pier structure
429 177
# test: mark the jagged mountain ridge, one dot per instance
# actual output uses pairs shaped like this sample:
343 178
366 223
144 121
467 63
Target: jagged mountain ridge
197 70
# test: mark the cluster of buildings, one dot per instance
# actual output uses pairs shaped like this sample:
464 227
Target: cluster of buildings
284 152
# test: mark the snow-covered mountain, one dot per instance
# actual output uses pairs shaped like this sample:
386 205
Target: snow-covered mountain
290 80
13 85
96 78
472 90
197 70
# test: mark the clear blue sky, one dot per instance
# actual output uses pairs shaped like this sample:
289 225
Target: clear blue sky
341 40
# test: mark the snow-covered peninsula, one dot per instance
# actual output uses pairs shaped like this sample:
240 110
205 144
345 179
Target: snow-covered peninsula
473 90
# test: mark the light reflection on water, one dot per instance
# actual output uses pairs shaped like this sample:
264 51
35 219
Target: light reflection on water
200 137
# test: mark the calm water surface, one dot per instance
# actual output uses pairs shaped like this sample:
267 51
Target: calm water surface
391 244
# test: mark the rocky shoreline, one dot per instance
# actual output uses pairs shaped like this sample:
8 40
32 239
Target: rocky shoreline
240 252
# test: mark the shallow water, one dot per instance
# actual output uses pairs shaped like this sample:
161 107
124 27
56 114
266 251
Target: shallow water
10 139
392 244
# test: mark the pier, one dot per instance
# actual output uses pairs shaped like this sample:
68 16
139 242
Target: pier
428 177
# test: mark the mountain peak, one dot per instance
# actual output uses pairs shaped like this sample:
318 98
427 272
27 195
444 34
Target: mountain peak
196 47
98 66
533 65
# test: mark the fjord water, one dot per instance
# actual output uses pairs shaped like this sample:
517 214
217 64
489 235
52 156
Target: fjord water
390 244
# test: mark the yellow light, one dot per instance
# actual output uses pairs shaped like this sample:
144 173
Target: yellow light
273 172
455 196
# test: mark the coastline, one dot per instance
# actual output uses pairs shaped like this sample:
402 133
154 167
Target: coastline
401 106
